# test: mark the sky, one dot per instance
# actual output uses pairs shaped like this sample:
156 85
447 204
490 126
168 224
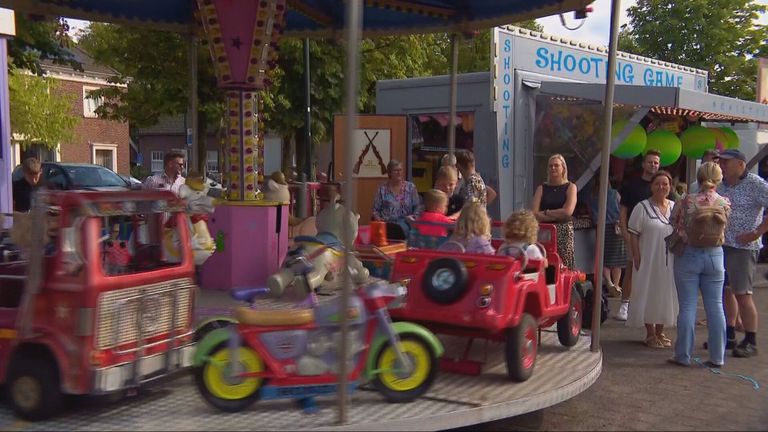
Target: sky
594 29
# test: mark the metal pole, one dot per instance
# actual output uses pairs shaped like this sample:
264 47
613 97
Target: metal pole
604 171
354 19
308 118
194 162
454 79
6 156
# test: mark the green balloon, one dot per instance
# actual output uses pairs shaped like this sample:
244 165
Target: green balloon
733 139
667 143
696 140
633 145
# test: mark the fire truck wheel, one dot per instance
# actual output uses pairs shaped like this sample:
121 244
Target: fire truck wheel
218 383
521 348
33 387
569 326
445 280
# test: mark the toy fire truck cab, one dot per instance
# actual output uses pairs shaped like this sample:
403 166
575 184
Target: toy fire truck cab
91 305
492 297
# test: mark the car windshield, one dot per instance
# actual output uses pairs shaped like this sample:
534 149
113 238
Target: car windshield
93 176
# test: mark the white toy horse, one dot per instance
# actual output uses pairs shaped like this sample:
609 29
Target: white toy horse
325 253
199 205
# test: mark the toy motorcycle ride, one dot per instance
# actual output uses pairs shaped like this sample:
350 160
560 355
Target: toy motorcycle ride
292 353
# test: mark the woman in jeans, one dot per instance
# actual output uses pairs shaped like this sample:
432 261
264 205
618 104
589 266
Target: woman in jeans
700 268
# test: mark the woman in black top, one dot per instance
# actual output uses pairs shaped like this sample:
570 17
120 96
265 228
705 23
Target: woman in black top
554 202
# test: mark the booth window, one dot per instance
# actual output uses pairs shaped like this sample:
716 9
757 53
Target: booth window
428 141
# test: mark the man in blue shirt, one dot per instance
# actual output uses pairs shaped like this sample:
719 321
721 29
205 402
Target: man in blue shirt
748 194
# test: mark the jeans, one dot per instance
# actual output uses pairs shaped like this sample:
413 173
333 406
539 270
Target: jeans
700 269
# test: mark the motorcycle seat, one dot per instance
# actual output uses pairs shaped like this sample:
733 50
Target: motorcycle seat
279 317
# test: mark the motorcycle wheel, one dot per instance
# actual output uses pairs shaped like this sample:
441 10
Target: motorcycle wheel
229 394
400 387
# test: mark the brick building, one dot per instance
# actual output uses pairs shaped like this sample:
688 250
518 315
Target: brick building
169 135
95 140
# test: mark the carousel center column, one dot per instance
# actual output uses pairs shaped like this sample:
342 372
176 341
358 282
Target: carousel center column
251 234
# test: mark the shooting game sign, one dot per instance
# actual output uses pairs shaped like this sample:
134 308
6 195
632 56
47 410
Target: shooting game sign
370 148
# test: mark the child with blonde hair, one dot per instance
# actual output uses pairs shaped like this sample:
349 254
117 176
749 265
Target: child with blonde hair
436 222
521 231
473 229
447 180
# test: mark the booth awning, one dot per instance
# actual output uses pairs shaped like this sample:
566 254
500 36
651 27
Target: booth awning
666 100
316 18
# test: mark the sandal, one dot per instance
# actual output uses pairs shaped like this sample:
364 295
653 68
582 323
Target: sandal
653 342
667 342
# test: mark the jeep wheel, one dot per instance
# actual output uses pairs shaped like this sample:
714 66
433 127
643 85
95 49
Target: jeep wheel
521 348
569 326
445 280
33 387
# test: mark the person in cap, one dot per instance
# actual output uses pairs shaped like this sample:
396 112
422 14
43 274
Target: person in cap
748 194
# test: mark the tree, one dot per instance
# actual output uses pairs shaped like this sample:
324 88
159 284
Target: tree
719 36
39 113
40 39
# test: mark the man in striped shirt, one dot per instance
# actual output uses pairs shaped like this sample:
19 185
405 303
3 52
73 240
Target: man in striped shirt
170 178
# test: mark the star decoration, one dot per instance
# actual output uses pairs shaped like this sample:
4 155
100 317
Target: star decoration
237 43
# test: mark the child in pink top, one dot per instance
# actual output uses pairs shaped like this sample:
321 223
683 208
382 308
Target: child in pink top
435 206
473 229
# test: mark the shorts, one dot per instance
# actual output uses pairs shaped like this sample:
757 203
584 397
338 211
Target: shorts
740 267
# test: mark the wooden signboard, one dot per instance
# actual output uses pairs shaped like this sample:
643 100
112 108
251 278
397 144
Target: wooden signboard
378 139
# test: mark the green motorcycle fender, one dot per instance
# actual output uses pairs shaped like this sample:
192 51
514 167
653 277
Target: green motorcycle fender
208 343
402 328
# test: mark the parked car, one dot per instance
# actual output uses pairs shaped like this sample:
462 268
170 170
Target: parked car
71 176
132 181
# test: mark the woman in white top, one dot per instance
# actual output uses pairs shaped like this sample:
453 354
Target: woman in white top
654 298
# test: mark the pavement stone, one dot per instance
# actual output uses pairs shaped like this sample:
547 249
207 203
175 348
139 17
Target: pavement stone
638 390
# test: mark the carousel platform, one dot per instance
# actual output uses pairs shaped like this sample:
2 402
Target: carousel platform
453 401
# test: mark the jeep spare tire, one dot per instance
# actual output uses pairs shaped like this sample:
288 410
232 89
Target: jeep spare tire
445 280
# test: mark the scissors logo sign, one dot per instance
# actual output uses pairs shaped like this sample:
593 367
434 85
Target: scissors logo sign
372 149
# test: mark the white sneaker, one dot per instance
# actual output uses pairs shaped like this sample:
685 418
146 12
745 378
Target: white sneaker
622 314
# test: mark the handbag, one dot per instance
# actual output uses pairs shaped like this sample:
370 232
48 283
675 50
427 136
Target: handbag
675 243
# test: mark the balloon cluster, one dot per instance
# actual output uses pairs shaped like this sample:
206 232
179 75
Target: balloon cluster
692 142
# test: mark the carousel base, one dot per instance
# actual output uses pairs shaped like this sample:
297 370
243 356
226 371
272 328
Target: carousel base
454 400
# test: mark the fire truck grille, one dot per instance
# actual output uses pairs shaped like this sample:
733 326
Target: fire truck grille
146 311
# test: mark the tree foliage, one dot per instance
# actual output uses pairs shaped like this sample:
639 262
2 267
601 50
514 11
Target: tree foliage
719 36
39 39
40 114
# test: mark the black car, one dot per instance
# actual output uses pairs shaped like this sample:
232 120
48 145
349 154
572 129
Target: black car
69 176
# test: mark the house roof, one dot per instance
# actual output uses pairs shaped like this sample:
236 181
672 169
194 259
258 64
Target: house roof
166 125
90 67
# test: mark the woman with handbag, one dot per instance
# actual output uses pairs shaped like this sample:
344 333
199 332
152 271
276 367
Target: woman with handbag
699 220
654 300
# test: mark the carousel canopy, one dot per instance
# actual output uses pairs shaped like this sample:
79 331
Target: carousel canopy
315 18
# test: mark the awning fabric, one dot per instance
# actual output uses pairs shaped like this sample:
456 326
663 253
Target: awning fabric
666 100
315 18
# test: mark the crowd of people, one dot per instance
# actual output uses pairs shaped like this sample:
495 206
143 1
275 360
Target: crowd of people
659 287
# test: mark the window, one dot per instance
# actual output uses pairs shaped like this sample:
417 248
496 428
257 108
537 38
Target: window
90 104
104 155
212 161
157 161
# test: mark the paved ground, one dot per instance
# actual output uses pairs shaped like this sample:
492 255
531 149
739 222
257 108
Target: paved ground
638 390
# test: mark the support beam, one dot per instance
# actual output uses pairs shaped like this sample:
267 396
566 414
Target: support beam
605 160
354 20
